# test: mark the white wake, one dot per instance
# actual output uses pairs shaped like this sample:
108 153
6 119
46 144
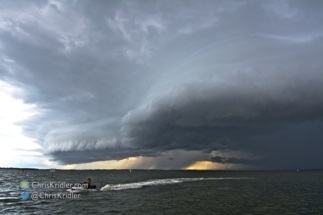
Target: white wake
157 182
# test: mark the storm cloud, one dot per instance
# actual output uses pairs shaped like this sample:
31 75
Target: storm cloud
239 81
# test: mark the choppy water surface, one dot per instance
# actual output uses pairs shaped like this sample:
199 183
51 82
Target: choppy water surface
169 192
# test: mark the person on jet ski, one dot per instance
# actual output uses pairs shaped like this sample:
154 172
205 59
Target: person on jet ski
89 183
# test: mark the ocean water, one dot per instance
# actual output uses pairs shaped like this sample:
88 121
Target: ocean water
166 192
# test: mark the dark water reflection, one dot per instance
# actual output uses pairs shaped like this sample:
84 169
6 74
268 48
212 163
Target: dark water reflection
229 193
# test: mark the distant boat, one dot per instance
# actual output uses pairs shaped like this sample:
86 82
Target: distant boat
297 170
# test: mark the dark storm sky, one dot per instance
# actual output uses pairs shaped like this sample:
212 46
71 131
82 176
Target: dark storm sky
239 81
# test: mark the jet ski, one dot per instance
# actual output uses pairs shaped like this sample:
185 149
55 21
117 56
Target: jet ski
82 187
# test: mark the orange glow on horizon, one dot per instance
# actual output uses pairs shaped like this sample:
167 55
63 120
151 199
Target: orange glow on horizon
207 165
147 163
132 162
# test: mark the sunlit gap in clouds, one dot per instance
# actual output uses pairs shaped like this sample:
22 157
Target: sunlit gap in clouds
145 163
175 159
151 163
208 165
132 162
17 149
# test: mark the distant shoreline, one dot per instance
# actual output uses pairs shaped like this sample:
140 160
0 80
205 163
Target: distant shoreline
16 168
